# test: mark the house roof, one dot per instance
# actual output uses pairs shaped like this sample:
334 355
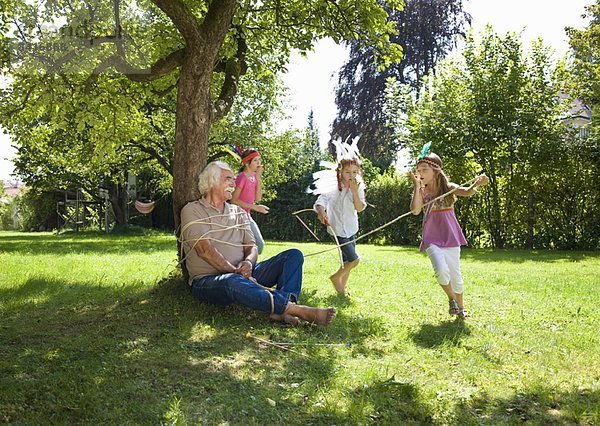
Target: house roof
577 110
12 189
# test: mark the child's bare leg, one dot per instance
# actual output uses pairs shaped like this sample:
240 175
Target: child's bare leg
336 280
454 308
347 268
449 291
462 311
459 299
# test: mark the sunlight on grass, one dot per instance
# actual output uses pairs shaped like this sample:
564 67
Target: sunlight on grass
101 329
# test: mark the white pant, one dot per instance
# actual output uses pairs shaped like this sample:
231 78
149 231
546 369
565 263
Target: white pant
446 265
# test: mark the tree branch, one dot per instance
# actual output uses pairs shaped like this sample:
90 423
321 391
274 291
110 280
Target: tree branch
183 19
234 69
154 154
216 24
20 107
118 29
161 68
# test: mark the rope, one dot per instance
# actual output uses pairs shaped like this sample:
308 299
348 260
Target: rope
335 238
241 226
385 225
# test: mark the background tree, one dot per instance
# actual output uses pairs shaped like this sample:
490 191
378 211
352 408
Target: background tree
585 69
426 31
497 110
585 46
207 45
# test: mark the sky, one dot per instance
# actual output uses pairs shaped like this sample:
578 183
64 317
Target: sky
312 79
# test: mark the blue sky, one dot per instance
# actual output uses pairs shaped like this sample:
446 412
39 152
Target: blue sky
312 80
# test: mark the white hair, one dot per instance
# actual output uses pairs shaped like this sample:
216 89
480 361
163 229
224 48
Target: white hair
211 175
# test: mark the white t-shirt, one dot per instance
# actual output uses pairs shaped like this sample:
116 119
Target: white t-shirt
339 206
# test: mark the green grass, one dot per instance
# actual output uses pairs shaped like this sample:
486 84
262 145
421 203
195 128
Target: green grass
100 329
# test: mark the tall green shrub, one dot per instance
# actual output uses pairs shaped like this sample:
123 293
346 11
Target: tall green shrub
37 211
389 196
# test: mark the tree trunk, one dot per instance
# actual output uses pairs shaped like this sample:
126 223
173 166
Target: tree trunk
195 109
118 200
191 136
193 122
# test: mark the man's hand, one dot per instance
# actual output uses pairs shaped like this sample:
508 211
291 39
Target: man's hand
244 268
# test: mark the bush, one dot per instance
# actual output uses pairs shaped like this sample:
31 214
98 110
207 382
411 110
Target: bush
389 196
9 219
37 211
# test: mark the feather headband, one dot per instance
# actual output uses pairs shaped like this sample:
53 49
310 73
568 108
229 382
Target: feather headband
325 181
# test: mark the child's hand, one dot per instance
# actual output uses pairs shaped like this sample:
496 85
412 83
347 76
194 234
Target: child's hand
414 179
260 170
353 185
324 219
260 208
482 180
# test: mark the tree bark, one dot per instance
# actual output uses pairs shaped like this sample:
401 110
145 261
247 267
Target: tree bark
193 121
118 199
195 109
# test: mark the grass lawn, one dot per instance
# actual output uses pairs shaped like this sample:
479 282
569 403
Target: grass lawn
101 329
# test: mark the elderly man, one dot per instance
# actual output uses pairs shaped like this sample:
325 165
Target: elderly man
220 255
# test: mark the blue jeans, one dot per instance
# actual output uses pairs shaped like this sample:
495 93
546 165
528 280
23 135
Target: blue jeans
283 271
349 250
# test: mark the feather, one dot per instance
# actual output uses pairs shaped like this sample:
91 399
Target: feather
234 150
325 180
425 150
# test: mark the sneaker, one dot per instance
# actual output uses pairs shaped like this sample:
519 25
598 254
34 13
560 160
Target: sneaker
454 309
463 313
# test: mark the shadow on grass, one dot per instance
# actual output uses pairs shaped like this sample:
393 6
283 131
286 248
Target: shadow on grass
385 402
520 256
359 332
83 242
78 352
538 406
444 333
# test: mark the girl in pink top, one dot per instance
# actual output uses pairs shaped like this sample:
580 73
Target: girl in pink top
442 235
248 190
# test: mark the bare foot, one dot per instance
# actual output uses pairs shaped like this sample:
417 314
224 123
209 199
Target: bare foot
319 316
286 318
338 283
344 279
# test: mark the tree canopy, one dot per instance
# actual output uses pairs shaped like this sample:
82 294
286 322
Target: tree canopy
497 110
426 32
71 58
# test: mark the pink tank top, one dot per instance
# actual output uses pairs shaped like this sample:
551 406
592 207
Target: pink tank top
440 227
248 188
